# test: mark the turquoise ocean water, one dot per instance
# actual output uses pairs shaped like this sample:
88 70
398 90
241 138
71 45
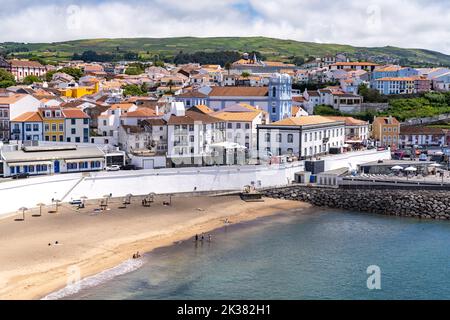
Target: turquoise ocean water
322 255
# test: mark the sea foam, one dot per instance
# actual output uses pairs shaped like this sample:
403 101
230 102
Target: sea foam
99 278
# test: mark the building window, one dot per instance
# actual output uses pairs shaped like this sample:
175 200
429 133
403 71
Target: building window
54 127
73 131
77 139
238 125
267 137
278 137
61 138
61 127
72 121
28 127
290 138
247 126
85 121
35 127
72 166
191 138
229 125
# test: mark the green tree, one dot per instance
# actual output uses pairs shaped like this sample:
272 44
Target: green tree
245 74
31 79
326 110
74 72
159 63
228 67
133 90
170 85
371 95
6 79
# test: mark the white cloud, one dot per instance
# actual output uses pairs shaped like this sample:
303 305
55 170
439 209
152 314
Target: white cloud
402 23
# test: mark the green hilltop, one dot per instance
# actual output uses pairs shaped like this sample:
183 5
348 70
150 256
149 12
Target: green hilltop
270 48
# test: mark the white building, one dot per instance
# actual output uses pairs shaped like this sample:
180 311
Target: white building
13 105
109 121
422 136
41 160
76 125
190 136
302 137
241 124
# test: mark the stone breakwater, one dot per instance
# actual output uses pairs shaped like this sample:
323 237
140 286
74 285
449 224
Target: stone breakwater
408 203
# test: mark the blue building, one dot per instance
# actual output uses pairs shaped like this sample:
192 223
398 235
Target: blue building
394 72
275 99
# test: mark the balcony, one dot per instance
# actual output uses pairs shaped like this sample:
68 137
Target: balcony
180 143
180 132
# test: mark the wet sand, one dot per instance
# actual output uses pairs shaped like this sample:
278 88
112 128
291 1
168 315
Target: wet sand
94 242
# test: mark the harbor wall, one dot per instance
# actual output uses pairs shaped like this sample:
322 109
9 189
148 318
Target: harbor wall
15 194
424 204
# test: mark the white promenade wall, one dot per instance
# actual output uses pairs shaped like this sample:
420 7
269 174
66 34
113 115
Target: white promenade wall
29 192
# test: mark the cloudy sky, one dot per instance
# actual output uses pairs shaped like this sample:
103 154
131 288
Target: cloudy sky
403 23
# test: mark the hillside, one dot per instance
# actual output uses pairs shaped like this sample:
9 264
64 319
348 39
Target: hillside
272 49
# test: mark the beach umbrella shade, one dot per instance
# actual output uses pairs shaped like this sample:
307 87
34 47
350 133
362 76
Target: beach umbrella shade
435 165
56 201
40 205
107 196
23 209
411 169
397 168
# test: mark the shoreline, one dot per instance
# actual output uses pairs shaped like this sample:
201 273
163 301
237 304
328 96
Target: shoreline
50 277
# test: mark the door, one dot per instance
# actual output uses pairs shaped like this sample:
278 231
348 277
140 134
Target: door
56 166
148 164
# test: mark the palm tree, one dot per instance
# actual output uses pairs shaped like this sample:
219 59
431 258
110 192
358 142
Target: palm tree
228 67
245 74
170 84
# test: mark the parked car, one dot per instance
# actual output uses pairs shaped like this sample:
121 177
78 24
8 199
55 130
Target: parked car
22 175
112 167
128 167
423 157
75 202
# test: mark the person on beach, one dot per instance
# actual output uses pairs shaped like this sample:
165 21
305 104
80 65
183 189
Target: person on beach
209 237
196 237
203 237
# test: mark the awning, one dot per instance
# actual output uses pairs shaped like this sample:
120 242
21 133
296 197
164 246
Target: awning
31 163
227 145
83 160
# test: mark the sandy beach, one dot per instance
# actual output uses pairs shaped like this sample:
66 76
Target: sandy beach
30 268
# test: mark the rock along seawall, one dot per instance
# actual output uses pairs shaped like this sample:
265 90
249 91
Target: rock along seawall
423 204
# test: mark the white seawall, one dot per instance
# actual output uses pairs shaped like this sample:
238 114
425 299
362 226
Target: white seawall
29 192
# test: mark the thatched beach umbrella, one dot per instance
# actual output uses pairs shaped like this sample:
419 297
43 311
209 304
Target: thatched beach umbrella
40 205
107 197
23 209
56 201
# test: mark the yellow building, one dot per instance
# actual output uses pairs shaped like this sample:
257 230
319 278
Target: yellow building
53 120
386 131
79 92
